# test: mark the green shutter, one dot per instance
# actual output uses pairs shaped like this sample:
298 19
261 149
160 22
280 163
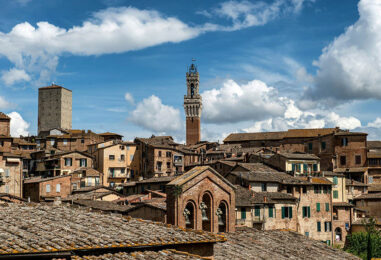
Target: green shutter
335 194
290 212
243 213
318 226
293 167
315 167
283 212
271 212
326 206
335 180
309 212
257 211
304 212
318 207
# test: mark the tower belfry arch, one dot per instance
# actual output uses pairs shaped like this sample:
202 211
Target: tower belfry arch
193 105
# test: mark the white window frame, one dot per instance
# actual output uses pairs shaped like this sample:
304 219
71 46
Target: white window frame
58 187
47 188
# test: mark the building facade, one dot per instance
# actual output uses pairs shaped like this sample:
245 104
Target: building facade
193 106
54 108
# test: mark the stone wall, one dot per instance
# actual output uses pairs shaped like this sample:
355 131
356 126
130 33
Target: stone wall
193 130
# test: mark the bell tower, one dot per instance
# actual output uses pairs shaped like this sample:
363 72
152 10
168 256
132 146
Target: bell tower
193 106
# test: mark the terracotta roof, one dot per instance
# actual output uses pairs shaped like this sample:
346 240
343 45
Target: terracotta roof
53 86
143 255
313 132
39 179
368 196
315 180
89 172
189 175
229 163
332 174
374 187
156 179
342 204
45 229
8 197
106 206
352 169
110 134
349 182
304 156
93 188
245 197
4 116
343 133
249 243
373 155
373 144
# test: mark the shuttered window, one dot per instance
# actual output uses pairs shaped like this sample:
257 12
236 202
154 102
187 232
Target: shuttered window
326 206
257 211
243 213
335 194
271 212
318 226
318 207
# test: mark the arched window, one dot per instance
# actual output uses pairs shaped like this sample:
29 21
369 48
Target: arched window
206 212
338 234
189 215
192 90
222 214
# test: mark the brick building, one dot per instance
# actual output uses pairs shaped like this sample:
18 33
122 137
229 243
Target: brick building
11 174
193 106
5 122
47 189
201 199
54 108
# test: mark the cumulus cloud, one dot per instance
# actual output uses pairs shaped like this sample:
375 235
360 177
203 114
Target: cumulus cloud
113 30
18 125
14 75
129 98
350 67
4 104
235 103
153 115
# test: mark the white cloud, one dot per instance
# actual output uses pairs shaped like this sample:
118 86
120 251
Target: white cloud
36 49
18 125
350 67
376 123
235 103
5 104
152 114
14 75
129 98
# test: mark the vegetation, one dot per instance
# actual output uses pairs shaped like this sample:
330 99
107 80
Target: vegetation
365 244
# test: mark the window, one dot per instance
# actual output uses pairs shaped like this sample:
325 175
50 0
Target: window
7 173
307 234
122 170
52 142
122 157
370 179
343 160
159 153
306 212
168 165
89 181
132 174
310 146
325 189
286 212
317 189
304 188
344 141
335 181
326 206
335 194
58 188
111 157
68 162
305 167
257 211
75 186
131 157
82 141
328 242
47 187
289 189
243 213
168 154
264 186
6 188
318 207
158 166
64 141
322 144
111 172
83 162
327 226
97 181
358 159
112 184
271 211
318 226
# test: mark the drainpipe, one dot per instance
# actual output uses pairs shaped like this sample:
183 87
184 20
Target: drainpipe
331 216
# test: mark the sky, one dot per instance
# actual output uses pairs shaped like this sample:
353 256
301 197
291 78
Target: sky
267 65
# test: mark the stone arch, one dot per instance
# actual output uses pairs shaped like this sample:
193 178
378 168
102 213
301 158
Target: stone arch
338 234
189 214
222 213
206 208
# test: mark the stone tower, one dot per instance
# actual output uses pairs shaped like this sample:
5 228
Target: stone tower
193 106
54 108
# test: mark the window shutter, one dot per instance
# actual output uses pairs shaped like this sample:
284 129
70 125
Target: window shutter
304 212
305 167
318 207
243 213
257 211
326 206
283 212
315 167
319 226
335 180
290 212
293 167
309 212
335 194
271 213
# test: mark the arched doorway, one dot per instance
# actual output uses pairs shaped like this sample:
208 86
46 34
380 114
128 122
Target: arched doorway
222 214
206 212
189 215
338 234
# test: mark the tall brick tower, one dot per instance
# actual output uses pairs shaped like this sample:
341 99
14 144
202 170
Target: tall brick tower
193 106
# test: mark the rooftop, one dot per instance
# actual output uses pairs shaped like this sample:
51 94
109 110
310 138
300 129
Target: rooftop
303 156
53 86
366 196
4 116
249 243
373 144
245 197
142 255
46 229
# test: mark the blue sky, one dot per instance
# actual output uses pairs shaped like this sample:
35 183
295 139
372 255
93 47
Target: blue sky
264 65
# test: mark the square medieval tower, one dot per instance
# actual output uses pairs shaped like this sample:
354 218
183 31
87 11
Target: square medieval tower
193 106
54 108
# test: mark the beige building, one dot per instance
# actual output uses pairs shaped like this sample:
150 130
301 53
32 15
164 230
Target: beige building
54 108
11 176
117 162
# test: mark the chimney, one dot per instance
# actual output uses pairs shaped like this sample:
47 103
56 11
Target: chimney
265 199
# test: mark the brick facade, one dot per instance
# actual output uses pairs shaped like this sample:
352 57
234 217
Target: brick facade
193 130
